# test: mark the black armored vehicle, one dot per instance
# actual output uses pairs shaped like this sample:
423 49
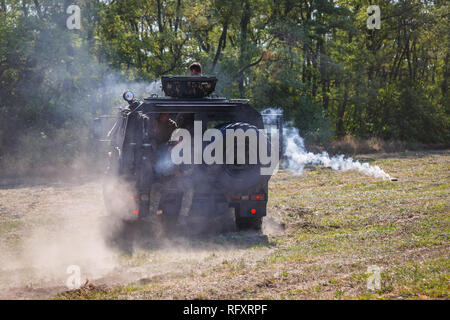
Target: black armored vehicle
144 184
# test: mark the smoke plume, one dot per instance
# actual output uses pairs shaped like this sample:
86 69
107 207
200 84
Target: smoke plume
297 156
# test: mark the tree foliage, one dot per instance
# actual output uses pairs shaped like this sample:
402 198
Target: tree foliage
316 59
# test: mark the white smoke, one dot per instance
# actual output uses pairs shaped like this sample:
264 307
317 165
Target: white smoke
297 156
156 88
114 85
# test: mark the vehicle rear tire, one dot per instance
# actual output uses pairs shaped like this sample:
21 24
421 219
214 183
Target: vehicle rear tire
246 176
252 223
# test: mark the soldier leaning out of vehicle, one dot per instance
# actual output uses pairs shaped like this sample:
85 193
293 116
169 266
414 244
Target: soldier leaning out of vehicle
183 173
185 178
162 129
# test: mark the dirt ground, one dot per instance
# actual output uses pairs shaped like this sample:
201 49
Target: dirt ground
323 231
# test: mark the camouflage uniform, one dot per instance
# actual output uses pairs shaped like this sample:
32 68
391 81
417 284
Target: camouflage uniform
187 186
155 196
186 183
162 130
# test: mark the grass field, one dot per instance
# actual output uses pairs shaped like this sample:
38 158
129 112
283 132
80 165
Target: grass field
324 229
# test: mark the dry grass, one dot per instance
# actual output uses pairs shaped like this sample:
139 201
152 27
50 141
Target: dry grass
336 225
354 145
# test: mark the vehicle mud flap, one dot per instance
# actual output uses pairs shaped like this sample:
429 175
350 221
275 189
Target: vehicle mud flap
246 220
213 219
252 223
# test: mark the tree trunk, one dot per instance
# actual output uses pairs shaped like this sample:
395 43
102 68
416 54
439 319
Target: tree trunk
444 85
220 45
243 54
160 25
323 69
341 111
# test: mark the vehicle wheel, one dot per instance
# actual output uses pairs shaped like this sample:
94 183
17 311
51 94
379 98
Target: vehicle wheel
253 223
116 234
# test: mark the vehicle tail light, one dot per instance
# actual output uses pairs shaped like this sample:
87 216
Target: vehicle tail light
261 197
258 197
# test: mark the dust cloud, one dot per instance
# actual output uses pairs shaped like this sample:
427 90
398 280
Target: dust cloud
60 232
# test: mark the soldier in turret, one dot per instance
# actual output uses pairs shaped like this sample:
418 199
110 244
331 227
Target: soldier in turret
195 69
